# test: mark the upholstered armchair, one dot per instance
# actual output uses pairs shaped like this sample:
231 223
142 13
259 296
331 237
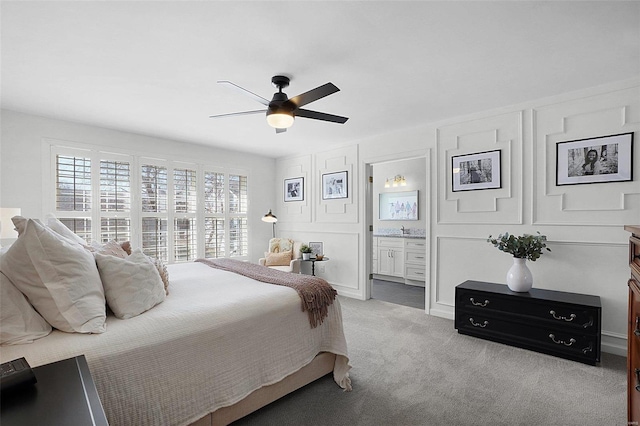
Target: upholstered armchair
284 255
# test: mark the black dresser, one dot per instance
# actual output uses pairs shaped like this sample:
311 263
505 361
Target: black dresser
557 323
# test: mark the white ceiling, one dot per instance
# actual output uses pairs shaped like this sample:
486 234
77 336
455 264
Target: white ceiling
151 67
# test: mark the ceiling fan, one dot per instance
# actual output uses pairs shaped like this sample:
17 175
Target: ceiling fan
281 110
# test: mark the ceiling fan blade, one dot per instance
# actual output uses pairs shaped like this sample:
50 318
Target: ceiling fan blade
238 113
258 98
314 94
281 130
320 116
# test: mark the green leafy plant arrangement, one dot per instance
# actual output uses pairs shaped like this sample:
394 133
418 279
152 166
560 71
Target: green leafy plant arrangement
523 247
305 249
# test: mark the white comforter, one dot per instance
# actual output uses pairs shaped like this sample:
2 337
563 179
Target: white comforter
217 337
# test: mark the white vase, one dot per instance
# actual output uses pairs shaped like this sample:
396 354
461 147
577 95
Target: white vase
519 277
306 256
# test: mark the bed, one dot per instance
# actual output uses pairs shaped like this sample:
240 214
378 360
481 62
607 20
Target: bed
220 346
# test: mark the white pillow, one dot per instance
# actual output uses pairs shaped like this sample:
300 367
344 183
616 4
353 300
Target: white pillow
132 285
59 277
61 229
19 322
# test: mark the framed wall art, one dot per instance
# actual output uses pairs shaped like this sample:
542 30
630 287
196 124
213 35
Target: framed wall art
595 160
316 248
476 171
334 185
294 189
398 205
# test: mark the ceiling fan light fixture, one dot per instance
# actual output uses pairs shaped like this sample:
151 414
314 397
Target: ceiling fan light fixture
280 119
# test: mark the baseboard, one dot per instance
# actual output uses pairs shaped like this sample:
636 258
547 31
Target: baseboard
613 343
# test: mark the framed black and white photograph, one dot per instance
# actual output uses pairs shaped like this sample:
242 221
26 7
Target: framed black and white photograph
334 185
595 160
476 171
294 189
316 249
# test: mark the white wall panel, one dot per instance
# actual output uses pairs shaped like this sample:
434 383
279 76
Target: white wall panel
502 205
295 211
602 204
598 269
340 210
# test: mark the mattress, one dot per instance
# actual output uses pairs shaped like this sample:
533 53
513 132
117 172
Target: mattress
216 338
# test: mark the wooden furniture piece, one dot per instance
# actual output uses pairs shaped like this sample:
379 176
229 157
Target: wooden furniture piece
65 394
633 340
565 325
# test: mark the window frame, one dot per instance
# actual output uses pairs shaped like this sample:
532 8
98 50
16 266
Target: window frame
52 148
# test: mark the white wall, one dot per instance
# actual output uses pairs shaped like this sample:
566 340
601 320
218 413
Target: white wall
21 152
584 223
415 172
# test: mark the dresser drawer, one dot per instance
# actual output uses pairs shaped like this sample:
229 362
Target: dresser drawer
415 257
550 312
416 273
559 342
633 356
634 256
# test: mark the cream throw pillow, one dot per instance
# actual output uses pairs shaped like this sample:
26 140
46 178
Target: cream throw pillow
132 285
278 245
19 322
278 259
59 277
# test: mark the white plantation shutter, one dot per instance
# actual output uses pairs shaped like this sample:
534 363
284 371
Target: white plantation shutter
115 200
238 201
154 199
73 183
214 222
185 240
174 211
73 193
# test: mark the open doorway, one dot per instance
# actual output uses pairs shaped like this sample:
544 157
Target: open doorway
397 215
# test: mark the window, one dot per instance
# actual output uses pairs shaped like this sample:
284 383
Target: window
73 184
154 196
185 243
73 193
174 211
115 200
238 216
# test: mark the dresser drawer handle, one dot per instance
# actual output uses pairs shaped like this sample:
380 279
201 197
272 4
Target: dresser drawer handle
476 324
637 330
562 342
638 379
474 303
558 317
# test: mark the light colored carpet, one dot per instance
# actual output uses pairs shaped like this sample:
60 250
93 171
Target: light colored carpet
413 369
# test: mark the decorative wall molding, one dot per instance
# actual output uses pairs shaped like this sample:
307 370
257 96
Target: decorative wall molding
341 210
294 211
613 204
503 205
590 262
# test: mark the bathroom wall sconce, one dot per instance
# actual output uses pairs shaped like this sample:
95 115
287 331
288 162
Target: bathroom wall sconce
395 181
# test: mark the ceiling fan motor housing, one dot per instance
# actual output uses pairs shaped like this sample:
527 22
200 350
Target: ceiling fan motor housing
280 81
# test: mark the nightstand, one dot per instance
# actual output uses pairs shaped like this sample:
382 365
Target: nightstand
65 394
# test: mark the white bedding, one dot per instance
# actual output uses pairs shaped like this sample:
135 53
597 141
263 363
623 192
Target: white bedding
216 338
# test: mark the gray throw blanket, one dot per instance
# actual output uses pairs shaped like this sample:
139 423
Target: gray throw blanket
316 293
